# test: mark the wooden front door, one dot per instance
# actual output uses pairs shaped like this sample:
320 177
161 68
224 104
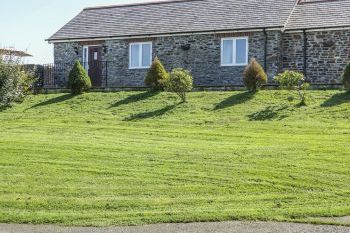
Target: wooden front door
95 65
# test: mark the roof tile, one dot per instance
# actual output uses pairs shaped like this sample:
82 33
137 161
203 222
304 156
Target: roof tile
320 14
182 16
176 17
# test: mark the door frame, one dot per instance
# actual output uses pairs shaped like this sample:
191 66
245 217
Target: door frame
86 55
87 62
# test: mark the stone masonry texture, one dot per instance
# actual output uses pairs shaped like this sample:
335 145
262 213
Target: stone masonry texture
327 55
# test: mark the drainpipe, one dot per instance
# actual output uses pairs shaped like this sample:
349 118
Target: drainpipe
265 51
305 53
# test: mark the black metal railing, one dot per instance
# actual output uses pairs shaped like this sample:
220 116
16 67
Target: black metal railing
55 75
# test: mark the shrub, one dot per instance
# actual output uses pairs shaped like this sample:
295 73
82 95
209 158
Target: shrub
79 81
292 80
346 77
289 79
156 75
15 82
180 82
254 76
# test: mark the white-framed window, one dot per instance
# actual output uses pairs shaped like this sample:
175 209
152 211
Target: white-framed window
140 55
234 51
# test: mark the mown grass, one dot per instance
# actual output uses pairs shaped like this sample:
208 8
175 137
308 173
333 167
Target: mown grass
134 158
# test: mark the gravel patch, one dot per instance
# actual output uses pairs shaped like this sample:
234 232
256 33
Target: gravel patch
224 227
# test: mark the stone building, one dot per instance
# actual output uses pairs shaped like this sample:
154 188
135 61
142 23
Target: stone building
214 39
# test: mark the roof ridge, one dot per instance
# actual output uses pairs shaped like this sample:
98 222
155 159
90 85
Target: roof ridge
291 14
139 4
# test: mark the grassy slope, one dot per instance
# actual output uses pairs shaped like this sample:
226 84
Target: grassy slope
136 158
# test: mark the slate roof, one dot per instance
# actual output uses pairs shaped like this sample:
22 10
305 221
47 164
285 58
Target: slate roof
176 17
320 14
183 16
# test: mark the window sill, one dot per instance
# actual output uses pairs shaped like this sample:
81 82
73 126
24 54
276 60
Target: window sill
138 68
222 65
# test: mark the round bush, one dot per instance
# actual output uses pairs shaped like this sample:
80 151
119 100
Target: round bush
254 76
79 81
293 80
156 75
289 79
179 82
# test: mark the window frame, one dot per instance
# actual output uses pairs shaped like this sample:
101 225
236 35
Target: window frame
86 57
140 55
234 52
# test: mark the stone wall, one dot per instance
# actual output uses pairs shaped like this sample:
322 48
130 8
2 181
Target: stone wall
64 58
293 55
328 52
202 59
274 54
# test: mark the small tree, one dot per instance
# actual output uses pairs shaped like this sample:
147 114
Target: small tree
79 81
156 75
254 76
179 82
346 77
292 80
15 82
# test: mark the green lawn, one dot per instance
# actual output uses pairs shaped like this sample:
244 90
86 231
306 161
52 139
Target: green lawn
137 158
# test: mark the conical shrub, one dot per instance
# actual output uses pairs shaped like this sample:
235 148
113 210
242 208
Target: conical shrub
79 81
254 76
156 75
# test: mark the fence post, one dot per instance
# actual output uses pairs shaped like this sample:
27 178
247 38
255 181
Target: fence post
42 76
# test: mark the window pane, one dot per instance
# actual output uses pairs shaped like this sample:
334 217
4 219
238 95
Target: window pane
227 52
85 58
241 51
135 55
146 55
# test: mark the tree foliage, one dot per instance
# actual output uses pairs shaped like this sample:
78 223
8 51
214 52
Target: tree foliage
289 79
180 82
293 80
15 81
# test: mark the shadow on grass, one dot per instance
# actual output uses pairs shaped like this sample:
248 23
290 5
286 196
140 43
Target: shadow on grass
337 99
134 98
235 100
3 108
55 100
146 115
268 114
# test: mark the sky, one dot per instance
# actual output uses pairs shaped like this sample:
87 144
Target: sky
25 24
